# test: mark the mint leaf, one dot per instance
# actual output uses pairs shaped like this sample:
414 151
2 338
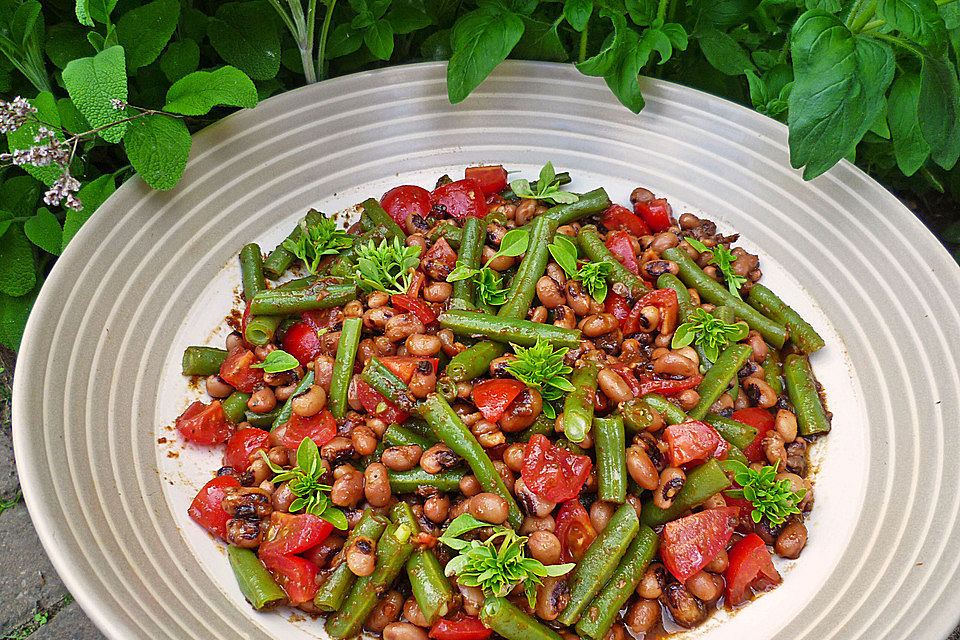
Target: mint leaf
577 13
179 59
92 196
481 40
22 138
157 147
245 35
278 361
910 149
65 42
379 39
197 93
723 52
622 75
144 31
938 110
611 50
343 41
407 16
44 230
540 41
17 271
92 83
918 20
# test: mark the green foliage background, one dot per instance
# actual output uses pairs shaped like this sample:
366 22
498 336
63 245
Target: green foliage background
874 81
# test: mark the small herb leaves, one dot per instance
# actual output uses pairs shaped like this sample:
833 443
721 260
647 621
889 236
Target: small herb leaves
541 367
488 281
548 188
277 361
593 275
386 267
304 482
316 241
498 564
706 331
772 499
723 258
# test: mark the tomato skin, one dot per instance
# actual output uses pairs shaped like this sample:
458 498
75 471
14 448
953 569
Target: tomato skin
419 308
242 445
293 533
668 304
617 218
492 179
492 397
204 423
237 370
551 472
320 319
297 576
693 441
462 199
406 200
649 383
617 305
405 366
618 242
657 214
689 544
575 531
440 252
762 421
372 401
321 428
464 628
749 559
206 508
302 342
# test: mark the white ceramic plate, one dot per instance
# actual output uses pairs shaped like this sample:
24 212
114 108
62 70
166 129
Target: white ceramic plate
98 381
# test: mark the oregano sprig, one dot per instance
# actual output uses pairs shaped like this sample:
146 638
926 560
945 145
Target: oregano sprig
386 267
304 482
724 259
541 367
316 241
772 499
593 275
548 188
708 332
488 282
277 361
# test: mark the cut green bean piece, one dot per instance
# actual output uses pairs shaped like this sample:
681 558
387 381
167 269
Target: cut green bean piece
399 436
671 413
578 405
388 385
411 481
474 361
261 329
771 371
637 415
448 231
802 386
507 330
280 259
256 583
430 586
801 332
736 433
284 415
474 231
670 281
319 296
343 366
523 287
589 203
382 220
599 562
706 480
235 406
718 378
251 271
561 178
736 453
543 426
202 361
262 420
592 246
511 623
333 591
610 443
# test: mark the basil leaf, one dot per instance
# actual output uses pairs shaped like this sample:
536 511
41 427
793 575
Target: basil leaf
514 243
938 110
277 361
909 147
481 40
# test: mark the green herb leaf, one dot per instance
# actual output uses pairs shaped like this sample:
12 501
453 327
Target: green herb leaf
22 138
939 109
386 267
277 361
316 241
44 230
157 147
245 35
181 58
92 195
771 499
145 30
594 278
197 93
92 83
706 331
541 367
514 243
17 270
723 258
548 188
909 147
481 40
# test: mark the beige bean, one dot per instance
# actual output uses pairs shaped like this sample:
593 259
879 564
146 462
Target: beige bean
553 595
217 387
361 555
469 485
513 456
705 586
598 324
642 616
423 345
262 400
653 581
600 514
489 507
437 507
402 327
549 292
641 469
376 486
534 523
792 540
759 392
388 609
522 411
532 503
310 402
489 258
437 291
671 481
402 458
544 546
719 563
413 613
674 364
347 490
614 386
786 425
686 609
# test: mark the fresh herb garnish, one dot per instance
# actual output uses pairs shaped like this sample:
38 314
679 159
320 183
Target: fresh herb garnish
548 188
498 564
541 366
488 282
771 499
386 267
316 241
277 361
704 330
305 483
593 275
723 258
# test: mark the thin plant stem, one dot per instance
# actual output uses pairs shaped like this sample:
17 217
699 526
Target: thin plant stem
324 31
583 42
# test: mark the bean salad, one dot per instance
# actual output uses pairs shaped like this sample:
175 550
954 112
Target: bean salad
503 409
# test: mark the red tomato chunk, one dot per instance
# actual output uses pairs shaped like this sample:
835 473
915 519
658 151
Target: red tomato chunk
551 472
690 543
206 508
204 423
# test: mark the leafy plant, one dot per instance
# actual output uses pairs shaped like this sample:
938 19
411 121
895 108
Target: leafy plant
386 267
548 188
277 361
772 499
541 367
488 282
593 275
316 241
708 332
723 258
304 482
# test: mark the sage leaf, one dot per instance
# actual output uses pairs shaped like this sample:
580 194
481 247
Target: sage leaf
92 82
157 147
200 91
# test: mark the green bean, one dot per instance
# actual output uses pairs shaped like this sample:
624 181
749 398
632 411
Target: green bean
393 549
447 388
398 436
802 387
449 428
724 313
235 406
736 433
256 583
578 405
202 361
523 287
412 480
599 562
474 361
332 592
430 586
736 453
637 415
280 259
261 329
602 612
712 291
320 296
251 271
670 281
508 330
718 378
543 425
447 230
592 246
343 366
589 203
610 443
344 265
512 623
706 480
382 220
387 384
262 420
572 447
771 371
671 413
801 332
284 415
561 178
469 256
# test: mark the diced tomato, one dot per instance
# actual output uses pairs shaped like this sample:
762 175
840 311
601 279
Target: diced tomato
575 531
297 576
745 506
693 441
665 300
650 383
242 445
749 560
491 179
406 200
617 305
462 628
441 251
618 242
461 199
416 283
302 342
237 370
657 214
321 428
419 308
492 397
405 366
207 508
243 324
320 319
293 533
551 472
617 218
689 544
627 374
375 404
762 421
204 423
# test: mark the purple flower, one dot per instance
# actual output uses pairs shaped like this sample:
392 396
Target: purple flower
14 114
